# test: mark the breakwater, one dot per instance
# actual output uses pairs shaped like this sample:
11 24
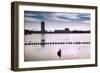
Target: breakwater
54 43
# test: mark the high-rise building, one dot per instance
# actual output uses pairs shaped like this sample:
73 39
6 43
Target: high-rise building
42 26
43 31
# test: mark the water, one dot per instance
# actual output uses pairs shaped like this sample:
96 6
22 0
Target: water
49 52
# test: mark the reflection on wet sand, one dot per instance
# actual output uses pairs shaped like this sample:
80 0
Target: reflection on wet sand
41 50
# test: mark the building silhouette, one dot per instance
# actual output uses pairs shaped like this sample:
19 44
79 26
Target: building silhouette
43 27
43 33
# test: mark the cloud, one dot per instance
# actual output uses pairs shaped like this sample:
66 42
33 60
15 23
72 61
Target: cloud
29 15
57 16
54 17
30 19
69 16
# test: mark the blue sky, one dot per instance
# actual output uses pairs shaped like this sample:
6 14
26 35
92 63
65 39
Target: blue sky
57 20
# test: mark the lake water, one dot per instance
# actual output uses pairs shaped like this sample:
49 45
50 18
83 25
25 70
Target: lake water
49 52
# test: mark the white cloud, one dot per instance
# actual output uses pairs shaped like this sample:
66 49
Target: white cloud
27 14
54 16
86 22
71 16
30 19
67 15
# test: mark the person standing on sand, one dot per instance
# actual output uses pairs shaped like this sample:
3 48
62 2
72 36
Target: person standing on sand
59 53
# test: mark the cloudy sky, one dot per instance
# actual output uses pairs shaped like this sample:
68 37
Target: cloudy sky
56 20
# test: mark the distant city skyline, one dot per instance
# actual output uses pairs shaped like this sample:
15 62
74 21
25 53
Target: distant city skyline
56 20
44 31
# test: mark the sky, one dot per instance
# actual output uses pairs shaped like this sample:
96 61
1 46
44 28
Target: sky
56 20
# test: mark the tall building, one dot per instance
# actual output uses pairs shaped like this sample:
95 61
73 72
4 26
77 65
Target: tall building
42 31
42 26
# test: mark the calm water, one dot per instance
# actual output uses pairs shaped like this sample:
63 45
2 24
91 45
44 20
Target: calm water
49 52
